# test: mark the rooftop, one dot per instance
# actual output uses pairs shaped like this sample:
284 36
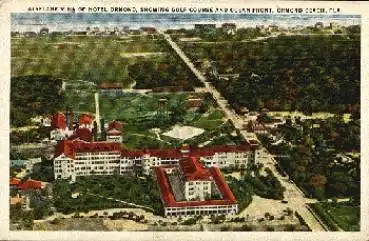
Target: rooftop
169 200
70 147
85 119
115 125
194 170
110 86
83 134
58 121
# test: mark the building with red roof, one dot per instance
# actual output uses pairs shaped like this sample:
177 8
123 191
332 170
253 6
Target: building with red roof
58 121
31 184
115 125
112 89
225 203
80 158
14 181
85 121
79 151
83 134
27 184
196 178
193 103
60 130
114 132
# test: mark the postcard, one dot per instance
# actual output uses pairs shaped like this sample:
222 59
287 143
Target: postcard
196 121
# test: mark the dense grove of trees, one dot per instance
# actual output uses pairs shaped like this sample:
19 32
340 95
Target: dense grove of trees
309 156
307 73
33 95
29 136
169 72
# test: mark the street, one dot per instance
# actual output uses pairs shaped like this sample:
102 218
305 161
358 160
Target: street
293 194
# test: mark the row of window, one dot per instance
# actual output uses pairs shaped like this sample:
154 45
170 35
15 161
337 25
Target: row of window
221 207
199 212
97 153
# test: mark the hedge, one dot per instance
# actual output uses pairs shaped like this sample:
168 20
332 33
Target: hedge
326 219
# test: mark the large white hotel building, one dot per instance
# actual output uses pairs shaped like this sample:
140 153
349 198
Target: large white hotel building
75 158
189 179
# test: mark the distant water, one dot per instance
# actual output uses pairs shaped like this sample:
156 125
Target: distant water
80 21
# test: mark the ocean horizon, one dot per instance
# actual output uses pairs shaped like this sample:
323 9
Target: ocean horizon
22 22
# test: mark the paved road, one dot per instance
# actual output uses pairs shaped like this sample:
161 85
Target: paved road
293 194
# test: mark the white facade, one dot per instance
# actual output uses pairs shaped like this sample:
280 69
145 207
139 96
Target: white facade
114 138
126 165
87 164
201 210
105 163
60 134
147 162
227 159
197 190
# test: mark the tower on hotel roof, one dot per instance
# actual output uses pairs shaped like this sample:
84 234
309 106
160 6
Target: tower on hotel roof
195 172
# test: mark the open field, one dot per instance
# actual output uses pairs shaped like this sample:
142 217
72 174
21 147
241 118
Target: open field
145 121
146 61
95 59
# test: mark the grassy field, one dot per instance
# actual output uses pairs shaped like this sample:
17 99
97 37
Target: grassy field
347 217
94 59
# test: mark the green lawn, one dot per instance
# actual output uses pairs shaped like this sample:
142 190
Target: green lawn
346 216
141 113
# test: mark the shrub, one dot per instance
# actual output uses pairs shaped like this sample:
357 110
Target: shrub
270 228
246 227
331 225
289 227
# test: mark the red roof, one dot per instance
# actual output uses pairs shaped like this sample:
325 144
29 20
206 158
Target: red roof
83 134
85 119
114 132
14 181
194 102
30 184
164 153
70 147
58 121
115 125
194 170
168 197
110 86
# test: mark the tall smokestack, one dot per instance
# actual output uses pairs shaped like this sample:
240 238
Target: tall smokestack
97 114
68 117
